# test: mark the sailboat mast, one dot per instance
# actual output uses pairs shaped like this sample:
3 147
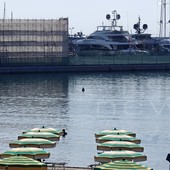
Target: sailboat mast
4 11
164 6
161 20
162 31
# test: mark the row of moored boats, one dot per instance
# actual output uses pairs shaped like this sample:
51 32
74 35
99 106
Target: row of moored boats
113 40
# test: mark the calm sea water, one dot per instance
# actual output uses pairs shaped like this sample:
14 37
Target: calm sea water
136 101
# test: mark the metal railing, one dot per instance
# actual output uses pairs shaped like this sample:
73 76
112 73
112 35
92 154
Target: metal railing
82 60
120 59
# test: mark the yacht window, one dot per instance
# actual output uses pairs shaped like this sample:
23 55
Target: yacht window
124 47
141 37
91 47
95 37
166 46
98 47
104 28
118 38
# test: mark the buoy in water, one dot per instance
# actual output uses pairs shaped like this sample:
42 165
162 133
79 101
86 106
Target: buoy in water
83 89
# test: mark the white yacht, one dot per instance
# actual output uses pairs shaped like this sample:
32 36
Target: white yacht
108 40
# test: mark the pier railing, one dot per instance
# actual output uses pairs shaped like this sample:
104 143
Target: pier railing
122 59
83 60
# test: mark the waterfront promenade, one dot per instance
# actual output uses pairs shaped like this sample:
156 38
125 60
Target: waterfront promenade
68 168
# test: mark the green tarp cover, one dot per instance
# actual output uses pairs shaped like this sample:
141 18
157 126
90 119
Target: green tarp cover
39 134
119 138
51 130
27 150
20 160
122 165
120 144
37 141
120 154
115 132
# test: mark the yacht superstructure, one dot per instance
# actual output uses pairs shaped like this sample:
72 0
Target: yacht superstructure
108 40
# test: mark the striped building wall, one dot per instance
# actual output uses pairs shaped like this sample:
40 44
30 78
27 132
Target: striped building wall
33 39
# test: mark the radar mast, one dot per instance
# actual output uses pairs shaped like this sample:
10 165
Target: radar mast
137 27
116 17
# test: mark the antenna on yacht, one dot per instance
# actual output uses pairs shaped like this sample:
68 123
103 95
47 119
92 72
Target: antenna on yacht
138 25
108 16
116 17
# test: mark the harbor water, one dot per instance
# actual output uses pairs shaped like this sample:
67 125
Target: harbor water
136 101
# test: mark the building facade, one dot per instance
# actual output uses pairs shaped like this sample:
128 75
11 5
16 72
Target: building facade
36 41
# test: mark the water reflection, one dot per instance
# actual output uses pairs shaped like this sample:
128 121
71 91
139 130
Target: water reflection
136 101
32 100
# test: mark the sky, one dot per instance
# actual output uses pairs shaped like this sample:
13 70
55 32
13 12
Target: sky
86 15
